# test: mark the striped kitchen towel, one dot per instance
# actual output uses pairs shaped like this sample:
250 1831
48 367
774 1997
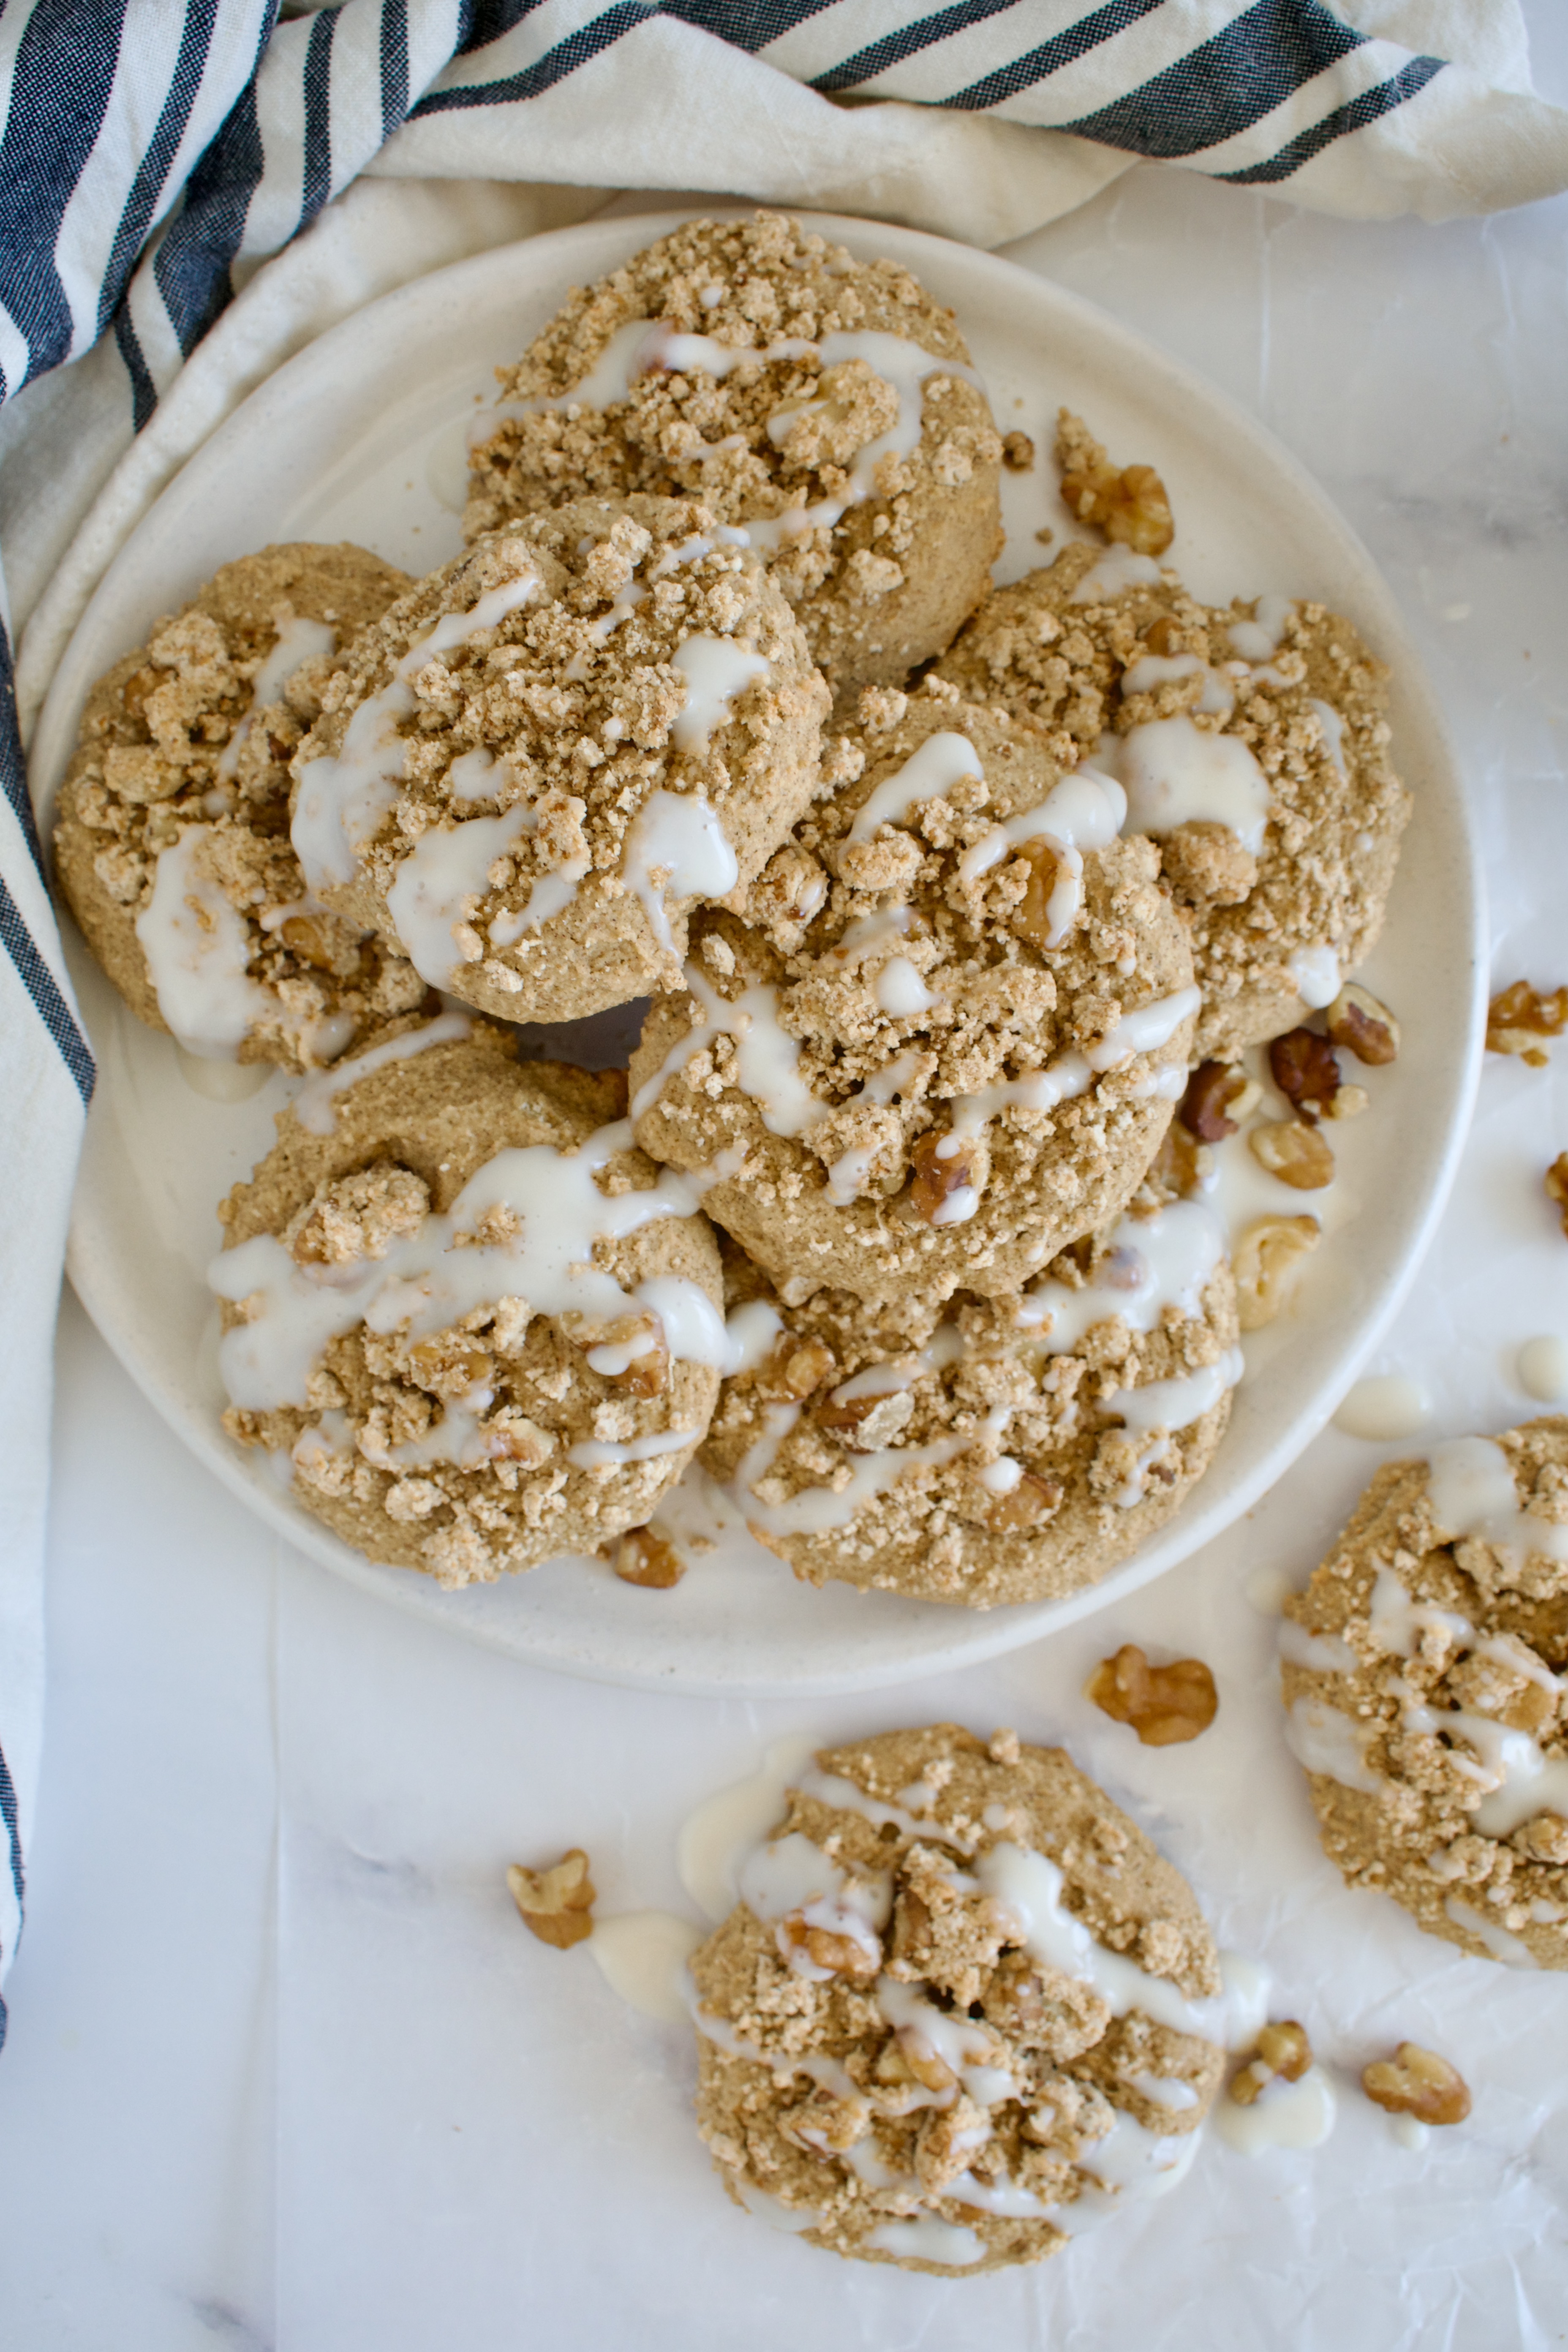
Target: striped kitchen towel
154 152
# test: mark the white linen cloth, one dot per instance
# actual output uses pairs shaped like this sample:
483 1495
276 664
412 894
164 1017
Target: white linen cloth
153 157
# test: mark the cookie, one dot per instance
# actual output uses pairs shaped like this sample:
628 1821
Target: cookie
476 1324
963 2010
945 1041
990 1450
1423 1672
540 761
172 843
1252 743
824 404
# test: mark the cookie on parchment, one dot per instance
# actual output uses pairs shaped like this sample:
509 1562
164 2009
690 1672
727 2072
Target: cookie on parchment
824 404
1252 743
990 1450
945 1040
963 2010
172 841
541 759
1423 1681
478 1325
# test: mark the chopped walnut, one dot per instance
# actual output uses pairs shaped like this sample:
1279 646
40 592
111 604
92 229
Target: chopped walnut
1127 503
1266 1263
556 1905
1017 453
1520 1016
1297 1154
1364 1027
841 1956
1180 1166
639 1556
1556 1182
1417 2081
1219 1097
1164 1704
1306 1071
1031 917
795 1369
939 1175
1283 2053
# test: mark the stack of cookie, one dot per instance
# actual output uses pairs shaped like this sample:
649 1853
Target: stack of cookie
930 899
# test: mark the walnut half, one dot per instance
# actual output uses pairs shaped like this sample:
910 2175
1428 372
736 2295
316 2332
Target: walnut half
1266 1263
1164 1704
1417 2081
1283 2053
555 1904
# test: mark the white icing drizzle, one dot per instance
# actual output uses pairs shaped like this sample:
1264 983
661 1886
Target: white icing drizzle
768 1058
792 1875
1323 1654
1543 1369
438 884
1333 727
1165 2091
749 1333
1387 1406
1298 2114
314 1104
1315 974
928 773
596 1452
198 947
425 1283
1117 569
790 2219
816 1509
1472 1492
343 799
848 1796
475 775
899 991
1151 1263
714 1841
1084 811
1255 640
1217 698
1177 773
716 669
1143 1031
1397 1620
1512 1950
1322 1738
1176 1404
644 1957
298 642
929 2240
1029 1885
675 846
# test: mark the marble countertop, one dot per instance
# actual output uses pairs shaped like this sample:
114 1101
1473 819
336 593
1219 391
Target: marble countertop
283 2068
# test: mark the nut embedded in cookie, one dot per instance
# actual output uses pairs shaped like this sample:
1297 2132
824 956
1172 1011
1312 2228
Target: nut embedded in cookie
539 762
960 1992
437 1286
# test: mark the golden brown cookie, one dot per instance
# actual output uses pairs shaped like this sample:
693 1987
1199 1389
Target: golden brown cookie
1423 1685
993 1449
478 1324
824 404
1252 742
543 758
946 1039
963 2010
172 842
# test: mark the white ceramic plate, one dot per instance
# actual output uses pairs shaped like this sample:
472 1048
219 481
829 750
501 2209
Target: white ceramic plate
358 438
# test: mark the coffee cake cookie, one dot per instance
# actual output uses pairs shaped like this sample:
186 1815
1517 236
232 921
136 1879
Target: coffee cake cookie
539 762
1424 1674
963 2010
480 1326
1252 744
993 1449
172 841
824 404
945 1041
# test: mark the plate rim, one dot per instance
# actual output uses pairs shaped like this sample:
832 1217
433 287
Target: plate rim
975 1635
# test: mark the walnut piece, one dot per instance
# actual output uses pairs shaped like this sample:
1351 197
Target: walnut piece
1031 917
793 1369
1266 1263
1219 1097
1295 1153
939 1175
1520 1016
1017 453
841 1956
1417 2081
556 1905
1164 1704
1127 503
1306 1072
1364 1026
1556 1182
639 1556
1283 2053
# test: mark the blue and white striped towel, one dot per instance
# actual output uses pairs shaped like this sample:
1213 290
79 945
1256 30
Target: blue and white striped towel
154 152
